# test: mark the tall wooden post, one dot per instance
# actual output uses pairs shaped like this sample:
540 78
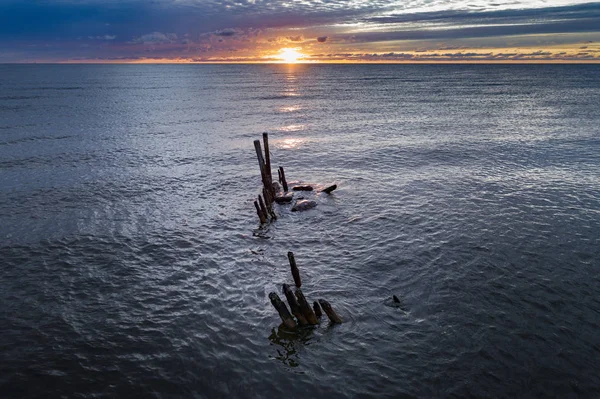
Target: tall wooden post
267 155
295 271
283 181
261 163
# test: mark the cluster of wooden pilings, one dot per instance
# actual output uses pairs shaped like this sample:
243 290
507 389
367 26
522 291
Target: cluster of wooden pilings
264 208
272 193
304 314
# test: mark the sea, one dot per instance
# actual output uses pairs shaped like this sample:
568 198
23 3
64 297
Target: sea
133 262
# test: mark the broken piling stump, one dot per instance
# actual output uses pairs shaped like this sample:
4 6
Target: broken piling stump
305 308
284 313
317 309
261 215
263 207
329 189
282 178
295 271
294 305
303 188
333 317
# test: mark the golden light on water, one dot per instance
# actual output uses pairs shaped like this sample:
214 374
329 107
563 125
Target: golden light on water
290 55
291 143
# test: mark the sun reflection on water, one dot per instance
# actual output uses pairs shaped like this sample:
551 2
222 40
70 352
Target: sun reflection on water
292 128
290 143
292 108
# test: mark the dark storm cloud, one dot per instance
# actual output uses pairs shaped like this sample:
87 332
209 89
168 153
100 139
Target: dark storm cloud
322 39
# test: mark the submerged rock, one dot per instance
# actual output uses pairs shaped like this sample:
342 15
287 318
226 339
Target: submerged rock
284 198
303 205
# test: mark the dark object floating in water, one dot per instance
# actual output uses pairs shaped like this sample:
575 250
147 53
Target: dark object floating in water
333 317
395 302
329 189
303 205
302 188
284 198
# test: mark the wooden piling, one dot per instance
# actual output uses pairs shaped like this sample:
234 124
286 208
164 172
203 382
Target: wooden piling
261 215
333 317
305 308
283 181
267 155
295 271
303 188
317 309
329 189
294 306
263 207
261 162
279 175
283 311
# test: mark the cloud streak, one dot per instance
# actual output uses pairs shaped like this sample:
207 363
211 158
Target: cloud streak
255 30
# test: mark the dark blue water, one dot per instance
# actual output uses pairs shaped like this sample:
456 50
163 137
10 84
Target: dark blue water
132 262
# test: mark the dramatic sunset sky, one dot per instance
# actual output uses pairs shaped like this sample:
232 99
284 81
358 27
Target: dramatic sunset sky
299 30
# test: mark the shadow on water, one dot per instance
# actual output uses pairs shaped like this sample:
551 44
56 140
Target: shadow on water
288 344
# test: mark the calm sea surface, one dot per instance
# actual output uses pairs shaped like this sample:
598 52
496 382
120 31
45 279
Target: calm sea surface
132 262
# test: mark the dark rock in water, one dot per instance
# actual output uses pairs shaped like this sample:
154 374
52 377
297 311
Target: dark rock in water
284 198
395 302
329 189
302 188
303 205
276 186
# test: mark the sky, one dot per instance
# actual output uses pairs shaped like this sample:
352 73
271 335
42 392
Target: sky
182 31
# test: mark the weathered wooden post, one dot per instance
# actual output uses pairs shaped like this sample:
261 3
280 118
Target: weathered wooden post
279 174
267 155
283 181
305 308
317 309
294 306
261 215
263 207
333 317
329 189
261 162
295 271
284 313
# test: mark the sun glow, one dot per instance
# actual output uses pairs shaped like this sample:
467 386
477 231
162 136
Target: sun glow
290 55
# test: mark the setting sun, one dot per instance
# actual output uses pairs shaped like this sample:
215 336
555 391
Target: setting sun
290 55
